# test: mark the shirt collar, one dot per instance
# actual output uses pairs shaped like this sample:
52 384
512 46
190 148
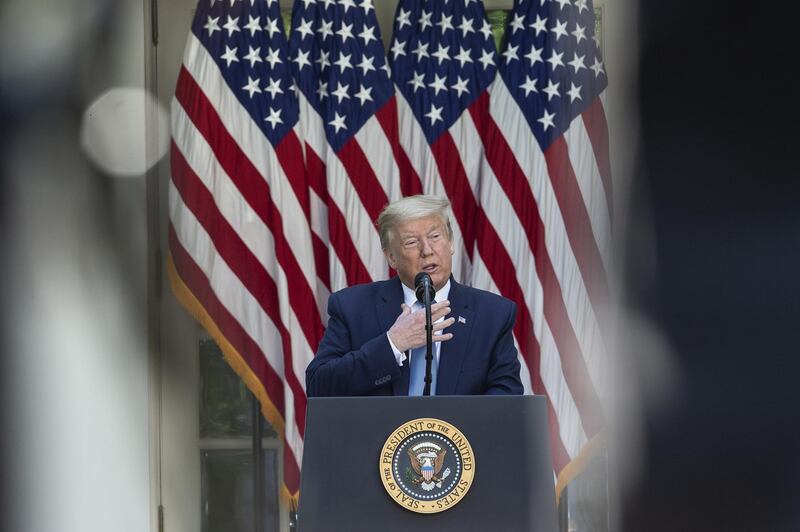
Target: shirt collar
409 297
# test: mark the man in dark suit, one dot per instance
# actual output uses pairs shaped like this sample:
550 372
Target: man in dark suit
375 340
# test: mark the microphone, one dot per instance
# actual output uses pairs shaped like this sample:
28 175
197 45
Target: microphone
422 284
423 287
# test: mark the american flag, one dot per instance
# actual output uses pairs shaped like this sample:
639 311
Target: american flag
349 121
546 189
241 245
518 143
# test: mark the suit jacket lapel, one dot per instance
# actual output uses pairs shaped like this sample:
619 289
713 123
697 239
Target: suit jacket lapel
453 351
387 308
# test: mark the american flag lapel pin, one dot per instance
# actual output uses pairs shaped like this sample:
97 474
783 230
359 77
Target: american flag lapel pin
462 320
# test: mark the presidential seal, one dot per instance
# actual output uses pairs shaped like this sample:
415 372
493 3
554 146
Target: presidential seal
427 465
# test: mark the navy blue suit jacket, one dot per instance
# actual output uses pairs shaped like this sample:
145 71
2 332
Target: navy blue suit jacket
355 358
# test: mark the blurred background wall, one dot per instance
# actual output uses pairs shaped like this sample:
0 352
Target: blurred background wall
75 358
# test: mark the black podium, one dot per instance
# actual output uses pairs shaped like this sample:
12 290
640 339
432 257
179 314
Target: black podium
342 487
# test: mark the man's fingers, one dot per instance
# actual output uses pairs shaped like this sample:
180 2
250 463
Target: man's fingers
440 304
444 311
442 324
405 308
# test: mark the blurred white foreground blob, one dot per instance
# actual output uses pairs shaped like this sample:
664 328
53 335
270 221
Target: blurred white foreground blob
117 136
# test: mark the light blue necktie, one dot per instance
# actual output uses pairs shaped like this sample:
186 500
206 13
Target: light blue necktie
416 383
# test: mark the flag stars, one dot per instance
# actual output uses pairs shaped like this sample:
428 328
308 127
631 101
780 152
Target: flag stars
345 32
438 84
539 25
597 67
364 94
463 56
323 60
511 53
232 25
487 59
552 89
441 54
579 32
271 27
274 117
466 26
343 62
326 29
398 48
301 59
212 25
230 55
425 20
562 3
274 87
486 29
435 114
252 86
253 56
555 60
581 5
308 3
421 51
273 57
304 28
547 120
366 5
347 4
252 25
417 81
329 3
560 29
366 65
445 23
529 86
460 86
535 55
577 62
322 90
337 122
341 92
403 19
368 34
574 92
517 23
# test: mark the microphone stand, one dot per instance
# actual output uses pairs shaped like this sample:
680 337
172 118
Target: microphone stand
428 343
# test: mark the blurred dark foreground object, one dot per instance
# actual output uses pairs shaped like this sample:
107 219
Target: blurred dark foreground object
718 181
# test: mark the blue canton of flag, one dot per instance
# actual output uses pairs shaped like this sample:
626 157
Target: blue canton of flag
443 57
551 63
247 41
338 62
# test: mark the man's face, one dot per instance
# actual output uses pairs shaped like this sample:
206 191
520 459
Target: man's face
421 245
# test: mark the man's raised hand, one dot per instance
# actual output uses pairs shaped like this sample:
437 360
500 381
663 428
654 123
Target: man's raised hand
408 330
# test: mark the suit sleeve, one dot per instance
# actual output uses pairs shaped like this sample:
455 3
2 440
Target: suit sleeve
341 369
503 377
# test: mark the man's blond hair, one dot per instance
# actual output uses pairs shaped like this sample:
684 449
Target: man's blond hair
413 208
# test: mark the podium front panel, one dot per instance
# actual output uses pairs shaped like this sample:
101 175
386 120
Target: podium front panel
513 487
